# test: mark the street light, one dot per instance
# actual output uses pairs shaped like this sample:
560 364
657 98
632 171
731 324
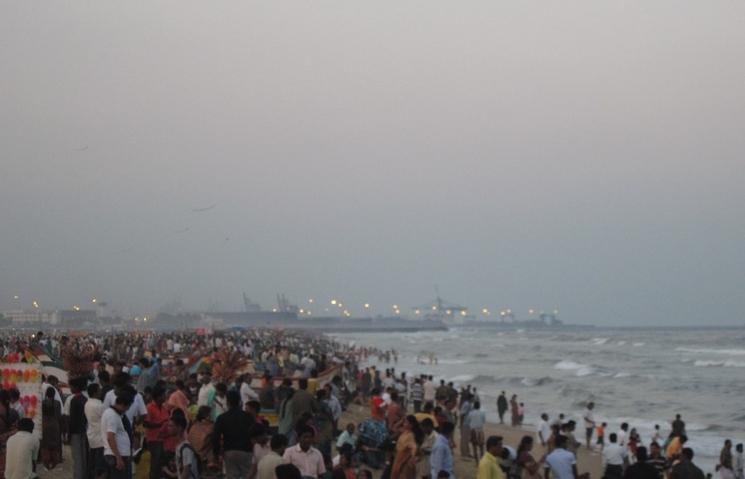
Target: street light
94 300
333 301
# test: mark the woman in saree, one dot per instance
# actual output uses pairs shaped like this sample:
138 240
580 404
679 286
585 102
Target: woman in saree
407 445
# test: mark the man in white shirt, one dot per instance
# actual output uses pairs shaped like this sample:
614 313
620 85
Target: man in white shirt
206 395
304 456
21 452
429 391
544 430
614 458
93 410
268 463
247 392
137 408
117 442
622 434
589 418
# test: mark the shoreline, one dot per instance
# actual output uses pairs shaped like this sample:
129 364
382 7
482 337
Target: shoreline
465 468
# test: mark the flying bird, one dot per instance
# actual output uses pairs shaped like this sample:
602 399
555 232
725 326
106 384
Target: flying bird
206 208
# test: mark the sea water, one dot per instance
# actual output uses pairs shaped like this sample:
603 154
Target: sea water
640 376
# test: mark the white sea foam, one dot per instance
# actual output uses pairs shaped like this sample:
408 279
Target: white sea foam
568 365
636 345
599 341
452 361
463 378
578 368
730 352
622 375
730 363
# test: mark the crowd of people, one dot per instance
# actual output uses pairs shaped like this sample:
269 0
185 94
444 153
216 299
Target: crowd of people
266 404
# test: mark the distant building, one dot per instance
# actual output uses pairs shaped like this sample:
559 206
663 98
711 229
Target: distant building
77 317
20 317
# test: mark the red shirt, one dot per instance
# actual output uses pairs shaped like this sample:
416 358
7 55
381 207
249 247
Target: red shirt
156 415
376 404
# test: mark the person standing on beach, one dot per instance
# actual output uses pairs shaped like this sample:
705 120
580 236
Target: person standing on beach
465 430
429 391
515 410
641 469
562 463
614 458
21 450
502 406
441 458
489 464
738 463
686 469
544 430
679 427
726 470
476 420
589 418
416 393
656 460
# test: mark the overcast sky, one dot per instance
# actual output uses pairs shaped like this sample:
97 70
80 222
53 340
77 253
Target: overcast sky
584 155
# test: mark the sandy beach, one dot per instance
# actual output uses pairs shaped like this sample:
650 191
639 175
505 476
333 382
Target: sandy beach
465 468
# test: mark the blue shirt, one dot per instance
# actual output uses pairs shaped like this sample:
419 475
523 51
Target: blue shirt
441 458
561 461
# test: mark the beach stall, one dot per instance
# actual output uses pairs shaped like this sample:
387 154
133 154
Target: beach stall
24 372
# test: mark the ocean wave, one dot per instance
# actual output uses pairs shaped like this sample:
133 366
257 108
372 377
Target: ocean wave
599 341
712 363
565 365
452 361
622 375
729 352
636 345
578 368
483 379
532 382
462 378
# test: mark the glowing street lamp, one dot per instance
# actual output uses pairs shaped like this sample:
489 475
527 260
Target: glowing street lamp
35 304
333 301
367 305
76 307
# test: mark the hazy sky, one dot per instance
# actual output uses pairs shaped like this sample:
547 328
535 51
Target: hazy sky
588 155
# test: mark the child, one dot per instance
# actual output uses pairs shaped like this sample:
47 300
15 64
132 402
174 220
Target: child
601 435
521 413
